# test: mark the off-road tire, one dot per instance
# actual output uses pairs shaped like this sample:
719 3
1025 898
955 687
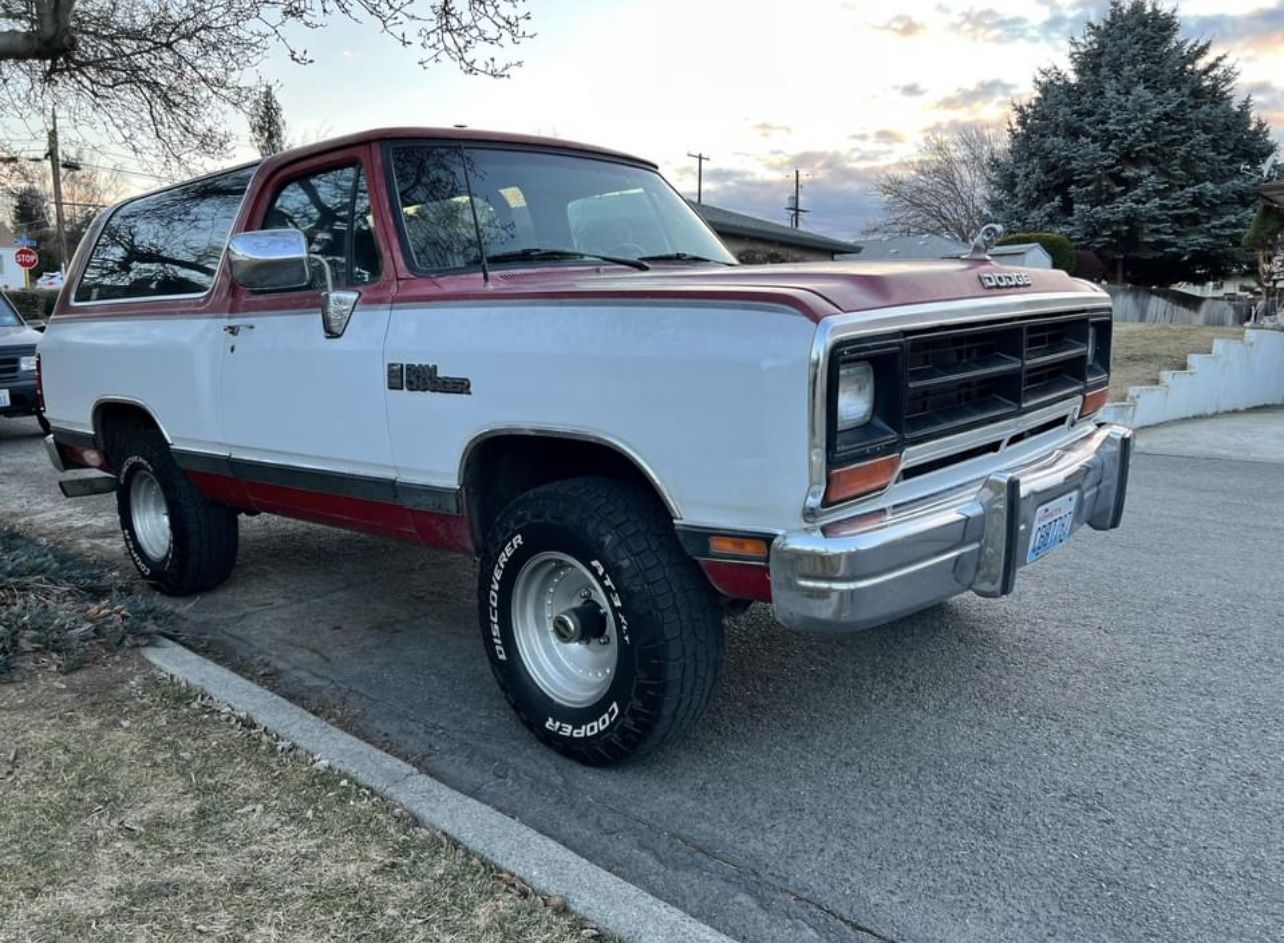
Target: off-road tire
670 654
203 535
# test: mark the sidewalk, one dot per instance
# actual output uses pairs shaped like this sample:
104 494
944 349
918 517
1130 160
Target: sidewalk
1253 436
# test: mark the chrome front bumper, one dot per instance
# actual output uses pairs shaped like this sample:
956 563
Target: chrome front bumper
850 575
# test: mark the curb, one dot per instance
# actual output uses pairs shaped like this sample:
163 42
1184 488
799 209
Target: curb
610 902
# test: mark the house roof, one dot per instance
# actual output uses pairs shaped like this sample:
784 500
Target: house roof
911 247
1273 192
1019 248
730 223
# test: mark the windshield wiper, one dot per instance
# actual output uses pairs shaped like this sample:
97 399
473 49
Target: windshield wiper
680 257
519 255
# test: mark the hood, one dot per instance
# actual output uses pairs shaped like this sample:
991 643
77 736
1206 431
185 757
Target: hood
817 289
18 336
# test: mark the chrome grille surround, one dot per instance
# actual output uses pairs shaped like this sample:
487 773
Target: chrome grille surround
1035 408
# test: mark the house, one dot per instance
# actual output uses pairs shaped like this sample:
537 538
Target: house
891 248
11 276
753 240
1022 255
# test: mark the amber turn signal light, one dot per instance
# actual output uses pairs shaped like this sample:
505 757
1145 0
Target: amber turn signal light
865 478
1094 401
739 546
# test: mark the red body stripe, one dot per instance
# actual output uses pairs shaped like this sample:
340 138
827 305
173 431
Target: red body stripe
739 580
445 531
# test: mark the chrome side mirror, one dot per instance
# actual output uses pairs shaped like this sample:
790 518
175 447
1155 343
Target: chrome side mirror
269 259
336 309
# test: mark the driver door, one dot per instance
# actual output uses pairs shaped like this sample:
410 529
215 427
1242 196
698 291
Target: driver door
303 412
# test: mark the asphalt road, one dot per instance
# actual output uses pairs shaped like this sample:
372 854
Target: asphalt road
1098 757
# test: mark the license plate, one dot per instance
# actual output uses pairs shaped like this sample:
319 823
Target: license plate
1051 527
4 398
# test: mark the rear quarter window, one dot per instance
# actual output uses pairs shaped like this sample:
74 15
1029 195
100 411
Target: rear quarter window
165 244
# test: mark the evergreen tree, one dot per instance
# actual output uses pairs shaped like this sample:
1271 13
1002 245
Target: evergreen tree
267 123
1139 151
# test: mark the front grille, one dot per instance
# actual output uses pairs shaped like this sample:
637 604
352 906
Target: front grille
956 380
9 361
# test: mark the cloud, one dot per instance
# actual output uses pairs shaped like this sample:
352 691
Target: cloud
1260 29
988 25
837 188
978 96
767 129
903 26
912 90
881 136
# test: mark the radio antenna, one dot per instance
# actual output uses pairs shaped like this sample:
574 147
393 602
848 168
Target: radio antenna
472 204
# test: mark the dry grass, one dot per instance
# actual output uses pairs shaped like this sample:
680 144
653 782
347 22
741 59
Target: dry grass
134 810
1140 351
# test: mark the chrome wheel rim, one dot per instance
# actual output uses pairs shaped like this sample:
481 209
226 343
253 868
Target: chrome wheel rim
149 514
574 674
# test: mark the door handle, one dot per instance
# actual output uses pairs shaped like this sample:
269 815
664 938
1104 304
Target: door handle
235 329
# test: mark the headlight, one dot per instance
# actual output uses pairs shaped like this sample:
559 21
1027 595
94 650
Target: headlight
855 394
27 364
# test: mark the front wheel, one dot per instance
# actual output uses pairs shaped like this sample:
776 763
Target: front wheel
180 541
600 629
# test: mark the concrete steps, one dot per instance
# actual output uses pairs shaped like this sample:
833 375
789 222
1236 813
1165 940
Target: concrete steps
1238 374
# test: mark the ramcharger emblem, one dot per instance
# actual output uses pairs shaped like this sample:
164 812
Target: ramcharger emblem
1004 279
424 378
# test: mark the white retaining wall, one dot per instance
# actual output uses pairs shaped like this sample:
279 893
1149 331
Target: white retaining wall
1236 375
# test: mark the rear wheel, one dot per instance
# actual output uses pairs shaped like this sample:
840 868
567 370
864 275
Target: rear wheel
180 541
600 629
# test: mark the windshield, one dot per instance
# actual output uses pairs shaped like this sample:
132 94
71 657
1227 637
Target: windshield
535 200
8 316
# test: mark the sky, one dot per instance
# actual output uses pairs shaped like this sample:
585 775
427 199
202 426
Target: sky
840 89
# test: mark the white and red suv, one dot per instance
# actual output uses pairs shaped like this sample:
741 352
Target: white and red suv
535 352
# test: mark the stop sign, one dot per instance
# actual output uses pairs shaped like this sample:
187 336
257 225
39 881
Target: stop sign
26 258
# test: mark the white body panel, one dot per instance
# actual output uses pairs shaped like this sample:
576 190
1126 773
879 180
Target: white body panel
291 395
170 365
711 399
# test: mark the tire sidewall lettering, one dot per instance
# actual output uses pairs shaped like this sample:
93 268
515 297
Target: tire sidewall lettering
579 724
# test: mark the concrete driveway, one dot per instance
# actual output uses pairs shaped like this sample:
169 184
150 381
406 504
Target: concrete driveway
1098 757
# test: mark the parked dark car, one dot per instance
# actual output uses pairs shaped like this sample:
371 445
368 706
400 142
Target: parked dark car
18 366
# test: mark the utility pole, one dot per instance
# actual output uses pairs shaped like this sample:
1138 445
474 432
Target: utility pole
56 164
795 208
699 159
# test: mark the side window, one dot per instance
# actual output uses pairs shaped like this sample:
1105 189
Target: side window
169 243
331 208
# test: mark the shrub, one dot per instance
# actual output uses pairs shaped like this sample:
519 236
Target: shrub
34 304
57 603
1064 255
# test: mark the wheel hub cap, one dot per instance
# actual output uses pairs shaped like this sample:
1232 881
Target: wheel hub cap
149 514
564 629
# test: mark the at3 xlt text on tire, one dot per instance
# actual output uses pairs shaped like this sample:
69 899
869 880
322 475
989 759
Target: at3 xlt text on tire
203 535
615 543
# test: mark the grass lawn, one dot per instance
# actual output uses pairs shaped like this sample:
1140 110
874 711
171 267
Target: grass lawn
1140 351
133 809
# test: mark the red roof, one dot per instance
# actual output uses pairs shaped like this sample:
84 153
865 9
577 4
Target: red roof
452 134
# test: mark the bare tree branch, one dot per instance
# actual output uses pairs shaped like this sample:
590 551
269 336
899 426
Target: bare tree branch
159 76
945 188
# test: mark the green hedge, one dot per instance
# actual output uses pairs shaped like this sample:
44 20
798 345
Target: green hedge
1064 255
34 304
